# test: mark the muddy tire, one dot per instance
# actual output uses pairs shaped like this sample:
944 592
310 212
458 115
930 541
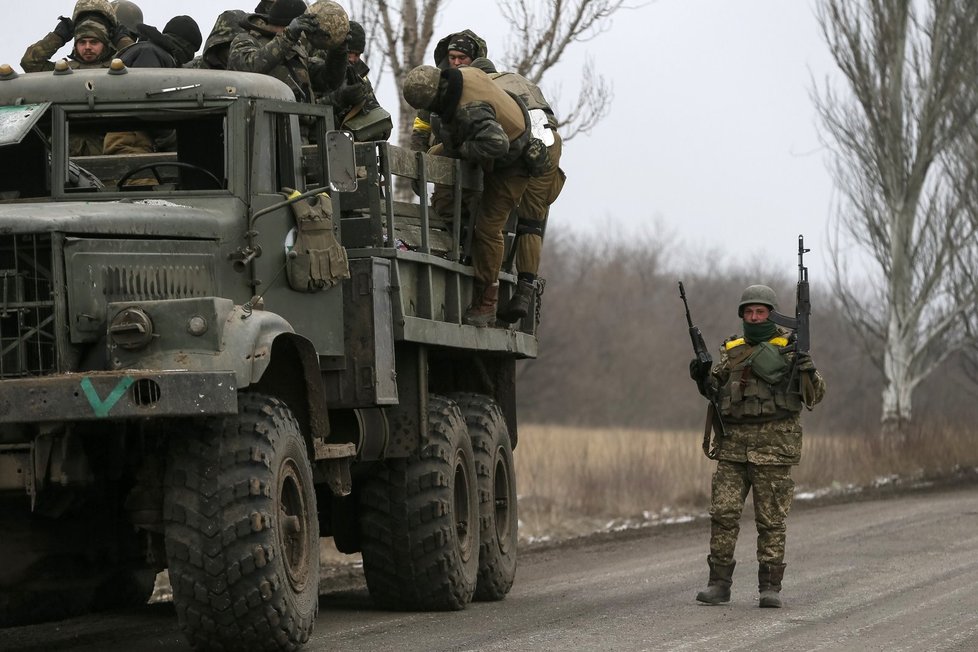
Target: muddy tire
419 520
242 538
497 494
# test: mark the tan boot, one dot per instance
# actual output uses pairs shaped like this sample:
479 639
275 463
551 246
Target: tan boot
718 588
769 578
519 304
482 312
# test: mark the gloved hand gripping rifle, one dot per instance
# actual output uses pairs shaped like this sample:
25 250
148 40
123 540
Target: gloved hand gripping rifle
800 324
700 369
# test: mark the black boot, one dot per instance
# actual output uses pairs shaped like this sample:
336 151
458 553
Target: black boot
769 578
718 588
519 304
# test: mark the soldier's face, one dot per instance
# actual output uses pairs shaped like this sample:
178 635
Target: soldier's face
353 57
89 49
756 313
456 59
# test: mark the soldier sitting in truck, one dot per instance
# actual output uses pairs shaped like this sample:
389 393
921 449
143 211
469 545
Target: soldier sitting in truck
98 35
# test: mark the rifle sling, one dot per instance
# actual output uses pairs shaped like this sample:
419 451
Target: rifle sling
709 450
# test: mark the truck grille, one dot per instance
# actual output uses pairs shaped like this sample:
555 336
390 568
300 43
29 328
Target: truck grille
27 313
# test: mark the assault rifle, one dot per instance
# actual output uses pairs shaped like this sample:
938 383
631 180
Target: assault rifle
800 324
699 370
803 306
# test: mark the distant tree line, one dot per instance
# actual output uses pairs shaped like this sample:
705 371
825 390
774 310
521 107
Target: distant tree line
614 346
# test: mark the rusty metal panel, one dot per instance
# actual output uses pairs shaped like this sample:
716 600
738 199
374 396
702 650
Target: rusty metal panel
118 395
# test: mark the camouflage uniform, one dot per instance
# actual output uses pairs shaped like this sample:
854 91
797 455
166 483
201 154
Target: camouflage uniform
259 49
37 58
217 47
762 442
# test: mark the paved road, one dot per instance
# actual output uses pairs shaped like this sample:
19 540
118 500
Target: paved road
891 574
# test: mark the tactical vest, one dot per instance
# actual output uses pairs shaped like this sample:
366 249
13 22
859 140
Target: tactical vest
477 87
527 91
746 398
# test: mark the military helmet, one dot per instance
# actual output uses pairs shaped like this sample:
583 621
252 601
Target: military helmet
757 294
101 7
421 86
128 13
333 20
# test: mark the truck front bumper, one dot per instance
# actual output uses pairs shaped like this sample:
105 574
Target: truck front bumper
124 394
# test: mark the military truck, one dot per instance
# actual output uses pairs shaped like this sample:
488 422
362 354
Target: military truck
214 354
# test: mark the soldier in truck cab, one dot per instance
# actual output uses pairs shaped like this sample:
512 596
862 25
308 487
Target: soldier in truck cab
97 34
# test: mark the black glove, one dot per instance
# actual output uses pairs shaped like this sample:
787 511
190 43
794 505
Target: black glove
65 29
351 94
803 361
302 24
118 33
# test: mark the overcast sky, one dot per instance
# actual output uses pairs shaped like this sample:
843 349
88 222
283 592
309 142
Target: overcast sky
712 136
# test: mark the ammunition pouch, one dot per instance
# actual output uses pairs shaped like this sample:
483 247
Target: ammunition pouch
316 261
767 363
369 124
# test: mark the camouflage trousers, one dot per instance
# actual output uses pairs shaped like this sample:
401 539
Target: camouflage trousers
772 488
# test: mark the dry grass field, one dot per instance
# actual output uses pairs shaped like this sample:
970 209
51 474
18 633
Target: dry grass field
576 480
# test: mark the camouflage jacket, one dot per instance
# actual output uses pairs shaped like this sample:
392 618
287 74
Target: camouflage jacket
37 58
762 420
263 51
218 44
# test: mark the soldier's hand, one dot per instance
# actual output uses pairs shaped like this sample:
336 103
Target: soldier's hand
803 360
352 94
120 32
65 29
302 24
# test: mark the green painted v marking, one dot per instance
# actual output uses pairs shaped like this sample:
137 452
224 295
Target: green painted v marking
101 407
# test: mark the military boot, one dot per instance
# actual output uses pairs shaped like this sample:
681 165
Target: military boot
718 588
519 304
482 312
769 578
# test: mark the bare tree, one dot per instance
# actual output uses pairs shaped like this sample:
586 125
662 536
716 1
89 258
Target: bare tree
543 31
904 163
540 38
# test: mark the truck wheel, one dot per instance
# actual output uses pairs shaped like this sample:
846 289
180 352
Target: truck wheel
242 539
418 520
497 494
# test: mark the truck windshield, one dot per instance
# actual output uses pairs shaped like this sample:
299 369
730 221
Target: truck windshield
172 151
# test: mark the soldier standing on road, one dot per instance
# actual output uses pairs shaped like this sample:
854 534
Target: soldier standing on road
760 386
97 33
482 124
